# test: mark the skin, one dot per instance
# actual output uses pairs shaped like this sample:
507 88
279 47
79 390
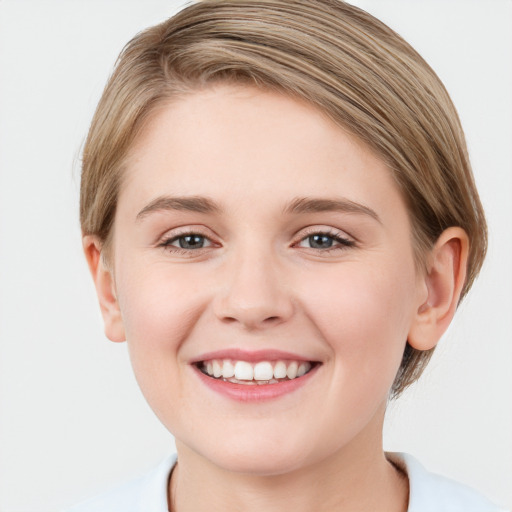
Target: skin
259 283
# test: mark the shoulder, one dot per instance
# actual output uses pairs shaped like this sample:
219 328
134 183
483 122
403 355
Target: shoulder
140 495
428 491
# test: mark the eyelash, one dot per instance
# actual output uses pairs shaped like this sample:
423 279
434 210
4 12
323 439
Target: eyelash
343 243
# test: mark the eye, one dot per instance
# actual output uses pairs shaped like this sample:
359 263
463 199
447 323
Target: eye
325 241
186 242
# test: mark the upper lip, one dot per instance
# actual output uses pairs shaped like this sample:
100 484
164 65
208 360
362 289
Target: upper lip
238 354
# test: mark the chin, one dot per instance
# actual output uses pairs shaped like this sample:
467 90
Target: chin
257 464
259 456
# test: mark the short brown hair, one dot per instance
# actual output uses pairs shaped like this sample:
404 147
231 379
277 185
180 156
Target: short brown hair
339 58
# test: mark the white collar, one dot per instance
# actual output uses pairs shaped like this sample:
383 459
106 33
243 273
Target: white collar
428 492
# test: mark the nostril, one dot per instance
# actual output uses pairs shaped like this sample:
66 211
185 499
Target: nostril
252 320
253 304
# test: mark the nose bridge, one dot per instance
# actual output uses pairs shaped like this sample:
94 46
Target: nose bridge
254 291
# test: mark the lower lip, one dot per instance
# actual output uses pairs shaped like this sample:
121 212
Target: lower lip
255 392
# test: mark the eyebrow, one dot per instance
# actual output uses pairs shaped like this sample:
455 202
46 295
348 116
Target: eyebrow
196 204
200 204
313 205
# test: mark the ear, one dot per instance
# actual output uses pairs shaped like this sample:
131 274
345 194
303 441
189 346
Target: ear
105 288
443 280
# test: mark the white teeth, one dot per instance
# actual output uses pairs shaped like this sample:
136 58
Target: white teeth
244 370
263 371
279 370
228 370
303 369
217 369
291 371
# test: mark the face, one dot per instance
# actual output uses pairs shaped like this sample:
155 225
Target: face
254 239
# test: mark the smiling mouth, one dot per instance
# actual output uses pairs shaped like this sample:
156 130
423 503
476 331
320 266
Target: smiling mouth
253 374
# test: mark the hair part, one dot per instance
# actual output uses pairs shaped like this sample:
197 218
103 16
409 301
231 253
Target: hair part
337 57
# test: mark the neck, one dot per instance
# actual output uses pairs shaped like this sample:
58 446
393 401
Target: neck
356 478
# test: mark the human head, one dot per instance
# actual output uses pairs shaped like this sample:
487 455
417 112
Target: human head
349 65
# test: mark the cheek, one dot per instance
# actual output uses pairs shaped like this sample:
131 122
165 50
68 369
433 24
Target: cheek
364 315
159 309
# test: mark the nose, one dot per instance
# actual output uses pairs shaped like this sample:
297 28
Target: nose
253 293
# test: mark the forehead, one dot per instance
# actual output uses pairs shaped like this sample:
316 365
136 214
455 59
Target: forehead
240 143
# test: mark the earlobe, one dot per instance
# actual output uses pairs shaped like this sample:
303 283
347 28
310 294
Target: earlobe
444 279
105 289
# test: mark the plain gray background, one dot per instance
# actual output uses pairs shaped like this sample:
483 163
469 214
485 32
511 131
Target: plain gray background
72 420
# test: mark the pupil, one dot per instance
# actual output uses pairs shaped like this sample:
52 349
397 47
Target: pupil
191 241
320 241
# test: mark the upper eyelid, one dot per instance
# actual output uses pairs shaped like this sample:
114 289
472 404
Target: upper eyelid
199 230
330 231
170 234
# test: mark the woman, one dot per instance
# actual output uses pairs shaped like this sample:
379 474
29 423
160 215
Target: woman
280 219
